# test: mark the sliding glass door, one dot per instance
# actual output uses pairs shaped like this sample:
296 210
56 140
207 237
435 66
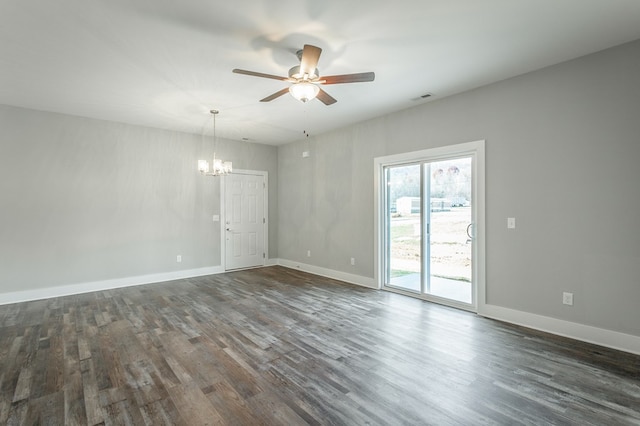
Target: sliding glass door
404 226
428 227
450 224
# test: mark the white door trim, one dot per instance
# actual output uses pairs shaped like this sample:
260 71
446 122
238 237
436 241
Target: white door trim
223 221
476 149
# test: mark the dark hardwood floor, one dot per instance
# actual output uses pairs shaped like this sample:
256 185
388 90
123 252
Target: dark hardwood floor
274 346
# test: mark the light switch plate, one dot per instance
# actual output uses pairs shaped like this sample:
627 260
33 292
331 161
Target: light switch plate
511 222
567 298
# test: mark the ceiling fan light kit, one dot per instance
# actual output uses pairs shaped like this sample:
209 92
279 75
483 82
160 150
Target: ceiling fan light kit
218 167
306 80
304 91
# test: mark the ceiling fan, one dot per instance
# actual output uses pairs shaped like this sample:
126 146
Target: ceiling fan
306 78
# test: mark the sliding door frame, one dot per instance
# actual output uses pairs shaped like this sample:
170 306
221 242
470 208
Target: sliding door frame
475 150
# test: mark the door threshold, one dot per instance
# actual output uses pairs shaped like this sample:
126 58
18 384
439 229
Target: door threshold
433 299
246 268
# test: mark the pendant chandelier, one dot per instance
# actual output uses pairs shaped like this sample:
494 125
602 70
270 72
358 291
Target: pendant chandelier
218 166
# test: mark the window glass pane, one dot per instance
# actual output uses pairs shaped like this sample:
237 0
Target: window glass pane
404 229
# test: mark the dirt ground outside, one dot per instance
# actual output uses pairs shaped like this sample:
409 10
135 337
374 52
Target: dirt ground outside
450 245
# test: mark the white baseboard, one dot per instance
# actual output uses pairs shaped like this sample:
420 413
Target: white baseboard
67 290
329 273
586 333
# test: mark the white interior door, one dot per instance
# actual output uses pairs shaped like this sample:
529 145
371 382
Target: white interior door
245 220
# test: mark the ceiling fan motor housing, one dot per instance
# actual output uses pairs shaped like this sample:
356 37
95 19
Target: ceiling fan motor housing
295 73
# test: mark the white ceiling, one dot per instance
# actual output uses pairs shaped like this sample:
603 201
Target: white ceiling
166 63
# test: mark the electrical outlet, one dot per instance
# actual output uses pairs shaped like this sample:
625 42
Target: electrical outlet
567 298
353 261
179 258
308 253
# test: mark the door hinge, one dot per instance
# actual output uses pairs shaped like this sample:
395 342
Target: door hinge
264 220
264 255
264 185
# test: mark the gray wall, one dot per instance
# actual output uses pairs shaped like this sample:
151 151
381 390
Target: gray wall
86 200
562 153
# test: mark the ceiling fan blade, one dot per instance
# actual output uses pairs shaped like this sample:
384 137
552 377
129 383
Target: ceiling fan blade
349 78
309 60
259 74
326 98
275 95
